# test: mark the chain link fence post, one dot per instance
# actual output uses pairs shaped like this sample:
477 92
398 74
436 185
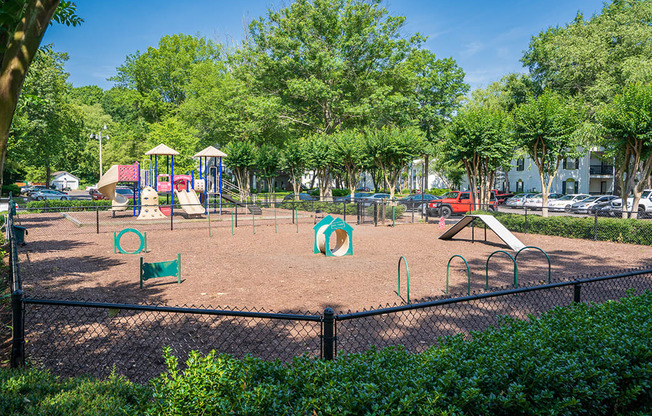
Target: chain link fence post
18 330
577 293
329 335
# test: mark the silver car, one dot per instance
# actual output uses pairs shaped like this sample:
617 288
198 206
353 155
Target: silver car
584 206
564 203
518 200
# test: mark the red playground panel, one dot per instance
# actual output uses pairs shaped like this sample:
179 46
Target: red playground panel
128 173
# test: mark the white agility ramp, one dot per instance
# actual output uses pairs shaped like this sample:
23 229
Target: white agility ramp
500 230
189 202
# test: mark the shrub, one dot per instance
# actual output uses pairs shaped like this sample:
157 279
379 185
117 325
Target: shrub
623 230
13 188
36 392
582 359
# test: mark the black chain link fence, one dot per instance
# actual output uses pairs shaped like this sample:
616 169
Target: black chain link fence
75 337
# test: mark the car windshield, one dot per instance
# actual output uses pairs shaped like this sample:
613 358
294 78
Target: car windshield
590 199
566 198
451 195
124 191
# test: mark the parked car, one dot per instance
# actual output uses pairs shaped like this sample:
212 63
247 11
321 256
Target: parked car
29 190
125 191
536 201
517 200
373 198
302 197
417 201
564 203
44 194
644 205
95 194
363 189
584 206
457 202
357 197
502 197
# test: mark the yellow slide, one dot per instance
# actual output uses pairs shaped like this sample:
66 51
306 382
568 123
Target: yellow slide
106 186
189 202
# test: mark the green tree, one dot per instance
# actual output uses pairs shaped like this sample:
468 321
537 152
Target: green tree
391 150
22 26
547 128
294 164
595 58
241 160
45 119
479 138
438 88
319 156
181 137
331 63
349 147
627 122
161 75
268 162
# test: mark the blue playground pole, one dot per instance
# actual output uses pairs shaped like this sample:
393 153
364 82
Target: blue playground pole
154 179
138 167
220 186
205 186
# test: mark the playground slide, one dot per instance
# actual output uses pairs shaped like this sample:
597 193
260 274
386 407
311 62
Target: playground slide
106 186
189 202
501 231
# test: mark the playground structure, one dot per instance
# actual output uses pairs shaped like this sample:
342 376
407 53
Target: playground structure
167 185
343 232
500 230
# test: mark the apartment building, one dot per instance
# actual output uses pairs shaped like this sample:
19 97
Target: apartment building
591 174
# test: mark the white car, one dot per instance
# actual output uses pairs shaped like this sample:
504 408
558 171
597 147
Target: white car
584 206
644 205
517 200
536 201
564 203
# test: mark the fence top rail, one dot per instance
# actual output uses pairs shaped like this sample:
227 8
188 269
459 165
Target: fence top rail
175 309
439 302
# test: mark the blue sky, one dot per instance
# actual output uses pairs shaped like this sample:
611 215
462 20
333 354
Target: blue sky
486 38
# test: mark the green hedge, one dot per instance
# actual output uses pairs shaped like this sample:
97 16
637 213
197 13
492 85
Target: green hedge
621 230
581 359
575 360
30 392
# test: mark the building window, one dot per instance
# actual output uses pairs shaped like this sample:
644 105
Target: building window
519 185
571 164
569 186
520 164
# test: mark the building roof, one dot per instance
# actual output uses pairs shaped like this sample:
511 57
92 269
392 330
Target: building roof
62 172
162 150
210 151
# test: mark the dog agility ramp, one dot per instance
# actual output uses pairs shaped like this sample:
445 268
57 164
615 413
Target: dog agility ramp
501 231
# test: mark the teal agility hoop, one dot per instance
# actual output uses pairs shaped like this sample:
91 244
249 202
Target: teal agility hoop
118 247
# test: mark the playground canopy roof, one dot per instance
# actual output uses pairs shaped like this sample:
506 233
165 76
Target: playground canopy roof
210 151
162 150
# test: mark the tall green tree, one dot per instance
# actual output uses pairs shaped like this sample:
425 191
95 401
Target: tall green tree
391 150
548 129
479 137
595 58
161 75
241 161
438 86
46 120
294 164
178 135
320 157
22 26
627 122
332 63
349 147
268 162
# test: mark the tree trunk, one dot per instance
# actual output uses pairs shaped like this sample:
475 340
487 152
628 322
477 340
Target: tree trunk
16 61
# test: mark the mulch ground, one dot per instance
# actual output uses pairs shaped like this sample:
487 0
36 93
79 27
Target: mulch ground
276 269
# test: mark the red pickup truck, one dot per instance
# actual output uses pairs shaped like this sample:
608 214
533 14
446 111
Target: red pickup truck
457 202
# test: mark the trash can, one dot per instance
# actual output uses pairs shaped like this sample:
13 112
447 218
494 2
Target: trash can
20 233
